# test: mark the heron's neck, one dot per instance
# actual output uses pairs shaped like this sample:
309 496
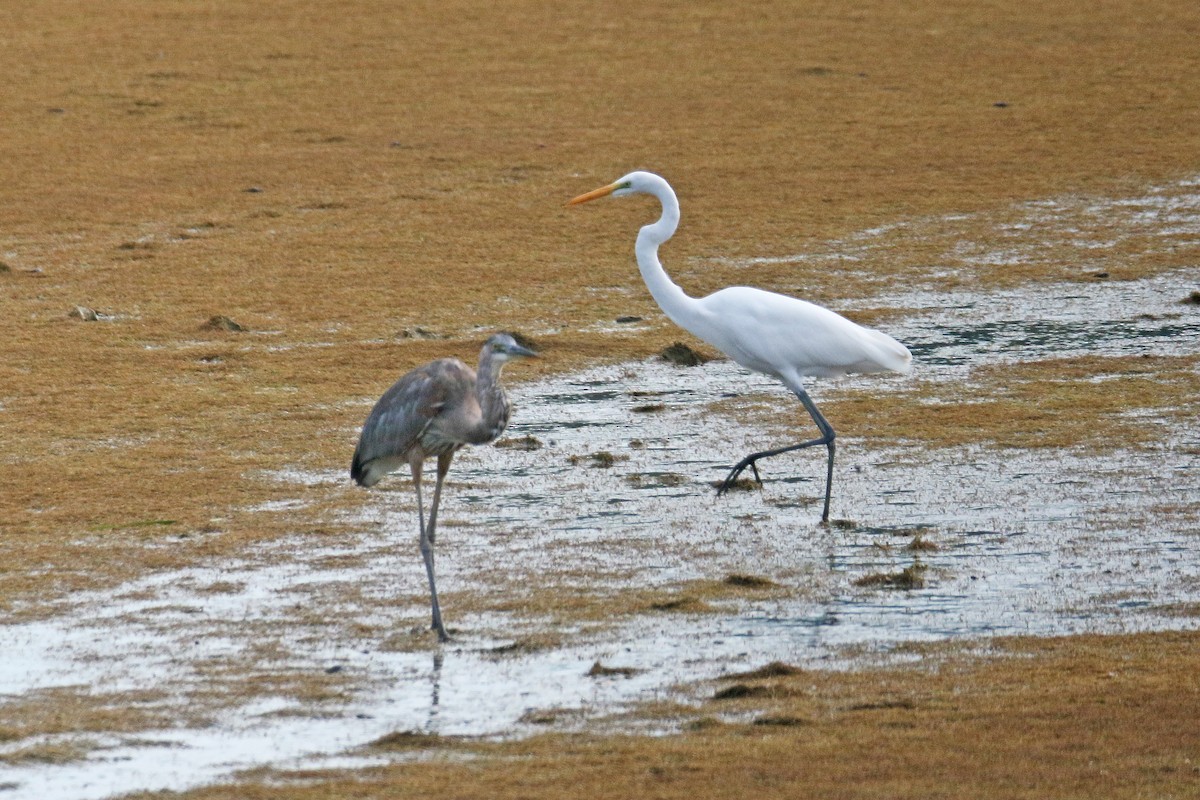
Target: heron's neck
493 402
671 299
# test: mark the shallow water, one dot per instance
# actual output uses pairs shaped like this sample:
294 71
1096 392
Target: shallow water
1029 542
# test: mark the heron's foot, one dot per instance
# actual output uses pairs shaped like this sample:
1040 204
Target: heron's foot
437 627
731 479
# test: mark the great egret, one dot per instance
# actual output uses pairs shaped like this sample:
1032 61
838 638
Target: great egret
433 411
777 335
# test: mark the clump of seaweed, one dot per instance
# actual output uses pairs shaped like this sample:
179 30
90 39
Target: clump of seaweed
679 353
527 443
775 669
740 691
740 485
750 581
599 670
409 740
911 577
602 459
220 322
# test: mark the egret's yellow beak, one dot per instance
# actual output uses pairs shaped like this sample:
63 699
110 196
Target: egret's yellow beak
603 191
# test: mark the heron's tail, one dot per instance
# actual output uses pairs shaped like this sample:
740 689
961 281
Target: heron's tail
361 472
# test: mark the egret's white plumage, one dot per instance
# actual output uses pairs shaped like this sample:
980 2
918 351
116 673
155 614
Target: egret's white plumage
771 333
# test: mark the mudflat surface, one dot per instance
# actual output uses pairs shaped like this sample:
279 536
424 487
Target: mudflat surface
1010 189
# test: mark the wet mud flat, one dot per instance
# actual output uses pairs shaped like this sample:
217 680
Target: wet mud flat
587 564
267 164
589 570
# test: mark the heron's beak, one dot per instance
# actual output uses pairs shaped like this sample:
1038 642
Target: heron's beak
518 350
603 191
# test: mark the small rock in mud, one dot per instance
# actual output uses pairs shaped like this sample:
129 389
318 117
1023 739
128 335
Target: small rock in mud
84 313
658 479
625 320
920 544
750 581
1193 298
740 485
679 353
408 740
220 322
598 670
602 459
782 721
775 669
527 443
883 705
741 690
420 333
686 604
531 644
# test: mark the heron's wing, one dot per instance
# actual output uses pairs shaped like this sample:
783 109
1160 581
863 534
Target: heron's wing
400 417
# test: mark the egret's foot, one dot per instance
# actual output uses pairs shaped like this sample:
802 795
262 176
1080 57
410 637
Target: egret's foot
732 478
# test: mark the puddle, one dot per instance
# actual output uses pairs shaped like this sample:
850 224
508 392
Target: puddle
1054 321
1027 542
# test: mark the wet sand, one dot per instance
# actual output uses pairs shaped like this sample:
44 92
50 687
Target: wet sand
340 180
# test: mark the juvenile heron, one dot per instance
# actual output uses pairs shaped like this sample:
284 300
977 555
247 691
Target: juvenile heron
433 411
774 334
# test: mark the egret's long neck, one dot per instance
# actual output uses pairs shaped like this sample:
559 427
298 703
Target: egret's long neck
674 301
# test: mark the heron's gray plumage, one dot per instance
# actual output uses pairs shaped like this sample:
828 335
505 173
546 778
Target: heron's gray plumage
432 412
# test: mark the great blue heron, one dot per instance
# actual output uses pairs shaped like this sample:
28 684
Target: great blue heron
777 335
433 411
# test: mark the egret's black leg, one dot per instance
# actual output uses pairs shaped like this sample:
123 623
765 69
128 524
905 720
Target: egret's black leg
827 439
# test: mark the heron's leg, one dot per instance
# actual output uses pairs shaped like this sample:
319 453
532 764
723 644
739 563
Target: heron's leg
431 536
426 543
442 468
827 438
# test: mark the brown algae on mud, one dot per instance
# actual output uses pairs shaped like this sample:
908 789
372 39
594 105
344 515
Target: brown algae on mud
551 567
1094 403
625 576
911 577
353 221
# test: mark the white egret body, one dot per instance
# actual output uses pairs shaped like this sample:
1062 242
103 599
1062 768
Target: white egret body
774 334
